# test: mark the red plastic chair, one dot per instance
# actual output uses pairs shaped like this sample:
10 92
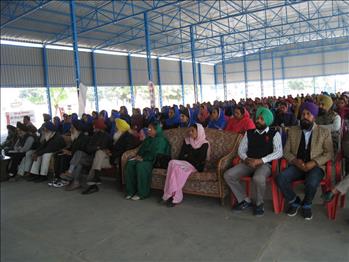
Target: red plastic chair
270 179
325 186
334 202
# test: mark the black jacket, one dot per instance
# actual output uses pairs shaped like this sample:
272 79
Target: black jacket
125 142
80 143
196 157
99 140
54 144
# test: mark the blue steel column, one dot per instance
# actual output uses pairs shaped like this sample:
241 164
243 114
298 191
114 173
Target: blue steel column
215 78
245 70
261 72
273 71
182 80
94 79
129 66
159 81
148 47
192 44
200 82
283 75
75 43
224 72
46 79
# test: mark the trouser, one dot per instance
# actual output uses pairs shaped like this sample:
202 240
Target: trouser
26 163
343 186
41 165
138 178
100 161
292 173
61 164
77 162
16 158
259 176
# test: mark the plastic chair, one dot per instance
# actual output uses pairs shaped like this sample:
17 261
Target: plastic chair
325 186
270 179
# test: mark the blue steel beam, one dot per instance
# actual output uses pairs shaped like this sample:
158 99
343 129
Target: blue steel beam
46 79
261 72
26 10
94 79
224 72
130 77
283 74
159 80
215 78
273 71
182 80
200 81
193 61
245 71
148 47
75 44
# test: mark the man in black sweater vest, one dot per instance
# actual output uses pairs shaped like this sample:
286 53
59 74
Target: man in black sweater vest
258 148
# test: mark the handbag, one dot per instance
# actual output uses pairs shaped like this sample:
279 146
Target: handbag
162 161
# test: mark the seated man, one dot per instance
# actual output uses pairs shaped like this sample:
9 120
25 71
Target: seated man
341 188
328 118
257 149
283 117
11 138
52 142
99 147
307 150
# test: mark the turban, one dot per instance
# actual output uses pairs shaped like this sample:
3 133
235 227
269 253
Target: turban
311 107
326 101
122 125
99 124
266 114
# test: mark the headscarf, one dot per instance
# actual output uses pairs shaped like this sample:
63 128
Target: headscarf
266 114
189 114
175 120
199 141
137 120
202 116
220 122
99 124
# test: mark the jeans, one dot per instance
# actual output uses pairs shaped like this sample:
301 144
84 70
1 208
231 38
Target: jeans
292 173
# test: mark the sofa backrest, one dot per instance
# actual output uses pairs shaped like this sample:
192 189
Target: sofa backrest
221 143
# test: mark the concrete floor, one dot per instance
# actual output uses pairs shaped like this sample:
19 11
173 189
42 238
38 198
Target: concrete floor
48 224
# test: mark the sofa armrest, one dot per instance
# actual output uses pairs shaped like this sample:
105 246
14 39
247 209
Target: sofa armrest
124 158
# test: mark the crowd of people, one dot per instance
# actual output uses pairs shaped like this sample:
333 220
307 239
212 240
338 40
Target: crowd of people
306 130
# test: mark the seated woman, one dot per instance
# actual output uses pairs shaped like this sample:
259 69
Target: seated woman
203 116
194 152
187 118
11 139
173 119
241 122
138 170
217 120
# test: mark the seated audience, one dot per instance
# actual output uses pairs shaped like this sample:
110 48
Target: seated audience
217 119
240 122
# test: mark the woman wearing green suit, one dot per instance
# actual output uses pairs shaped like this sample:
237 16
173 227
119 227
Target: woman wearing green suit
138 170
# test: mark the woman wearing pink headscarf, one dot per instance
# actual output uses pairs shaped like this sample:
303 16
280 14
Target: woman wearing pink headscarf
192 158
204 116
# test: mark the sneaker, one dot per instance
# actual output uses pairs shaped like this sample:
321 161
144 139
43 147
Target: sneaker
90 190
128 197
59 183
135 197
259 210
72 186
293 207
11 175
30 177
40 179
306 212
242 206
95 180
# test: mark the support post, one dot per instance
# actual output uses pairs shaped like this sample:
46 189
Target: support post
224 69
94 79
200 81
193 60
129 66
148 47
75 43
215 78
182 80
261 72
46 79
159 81
283 74
245 70
273 72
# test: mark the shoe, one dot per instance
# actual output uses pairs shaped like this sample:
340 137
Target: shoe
259 210
328 196
30 177
293 207
128 197
242 206
11 175
66 176
135 197
59 183
90 190
164 202
40 179
71 187
95 180
171 204
306 212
